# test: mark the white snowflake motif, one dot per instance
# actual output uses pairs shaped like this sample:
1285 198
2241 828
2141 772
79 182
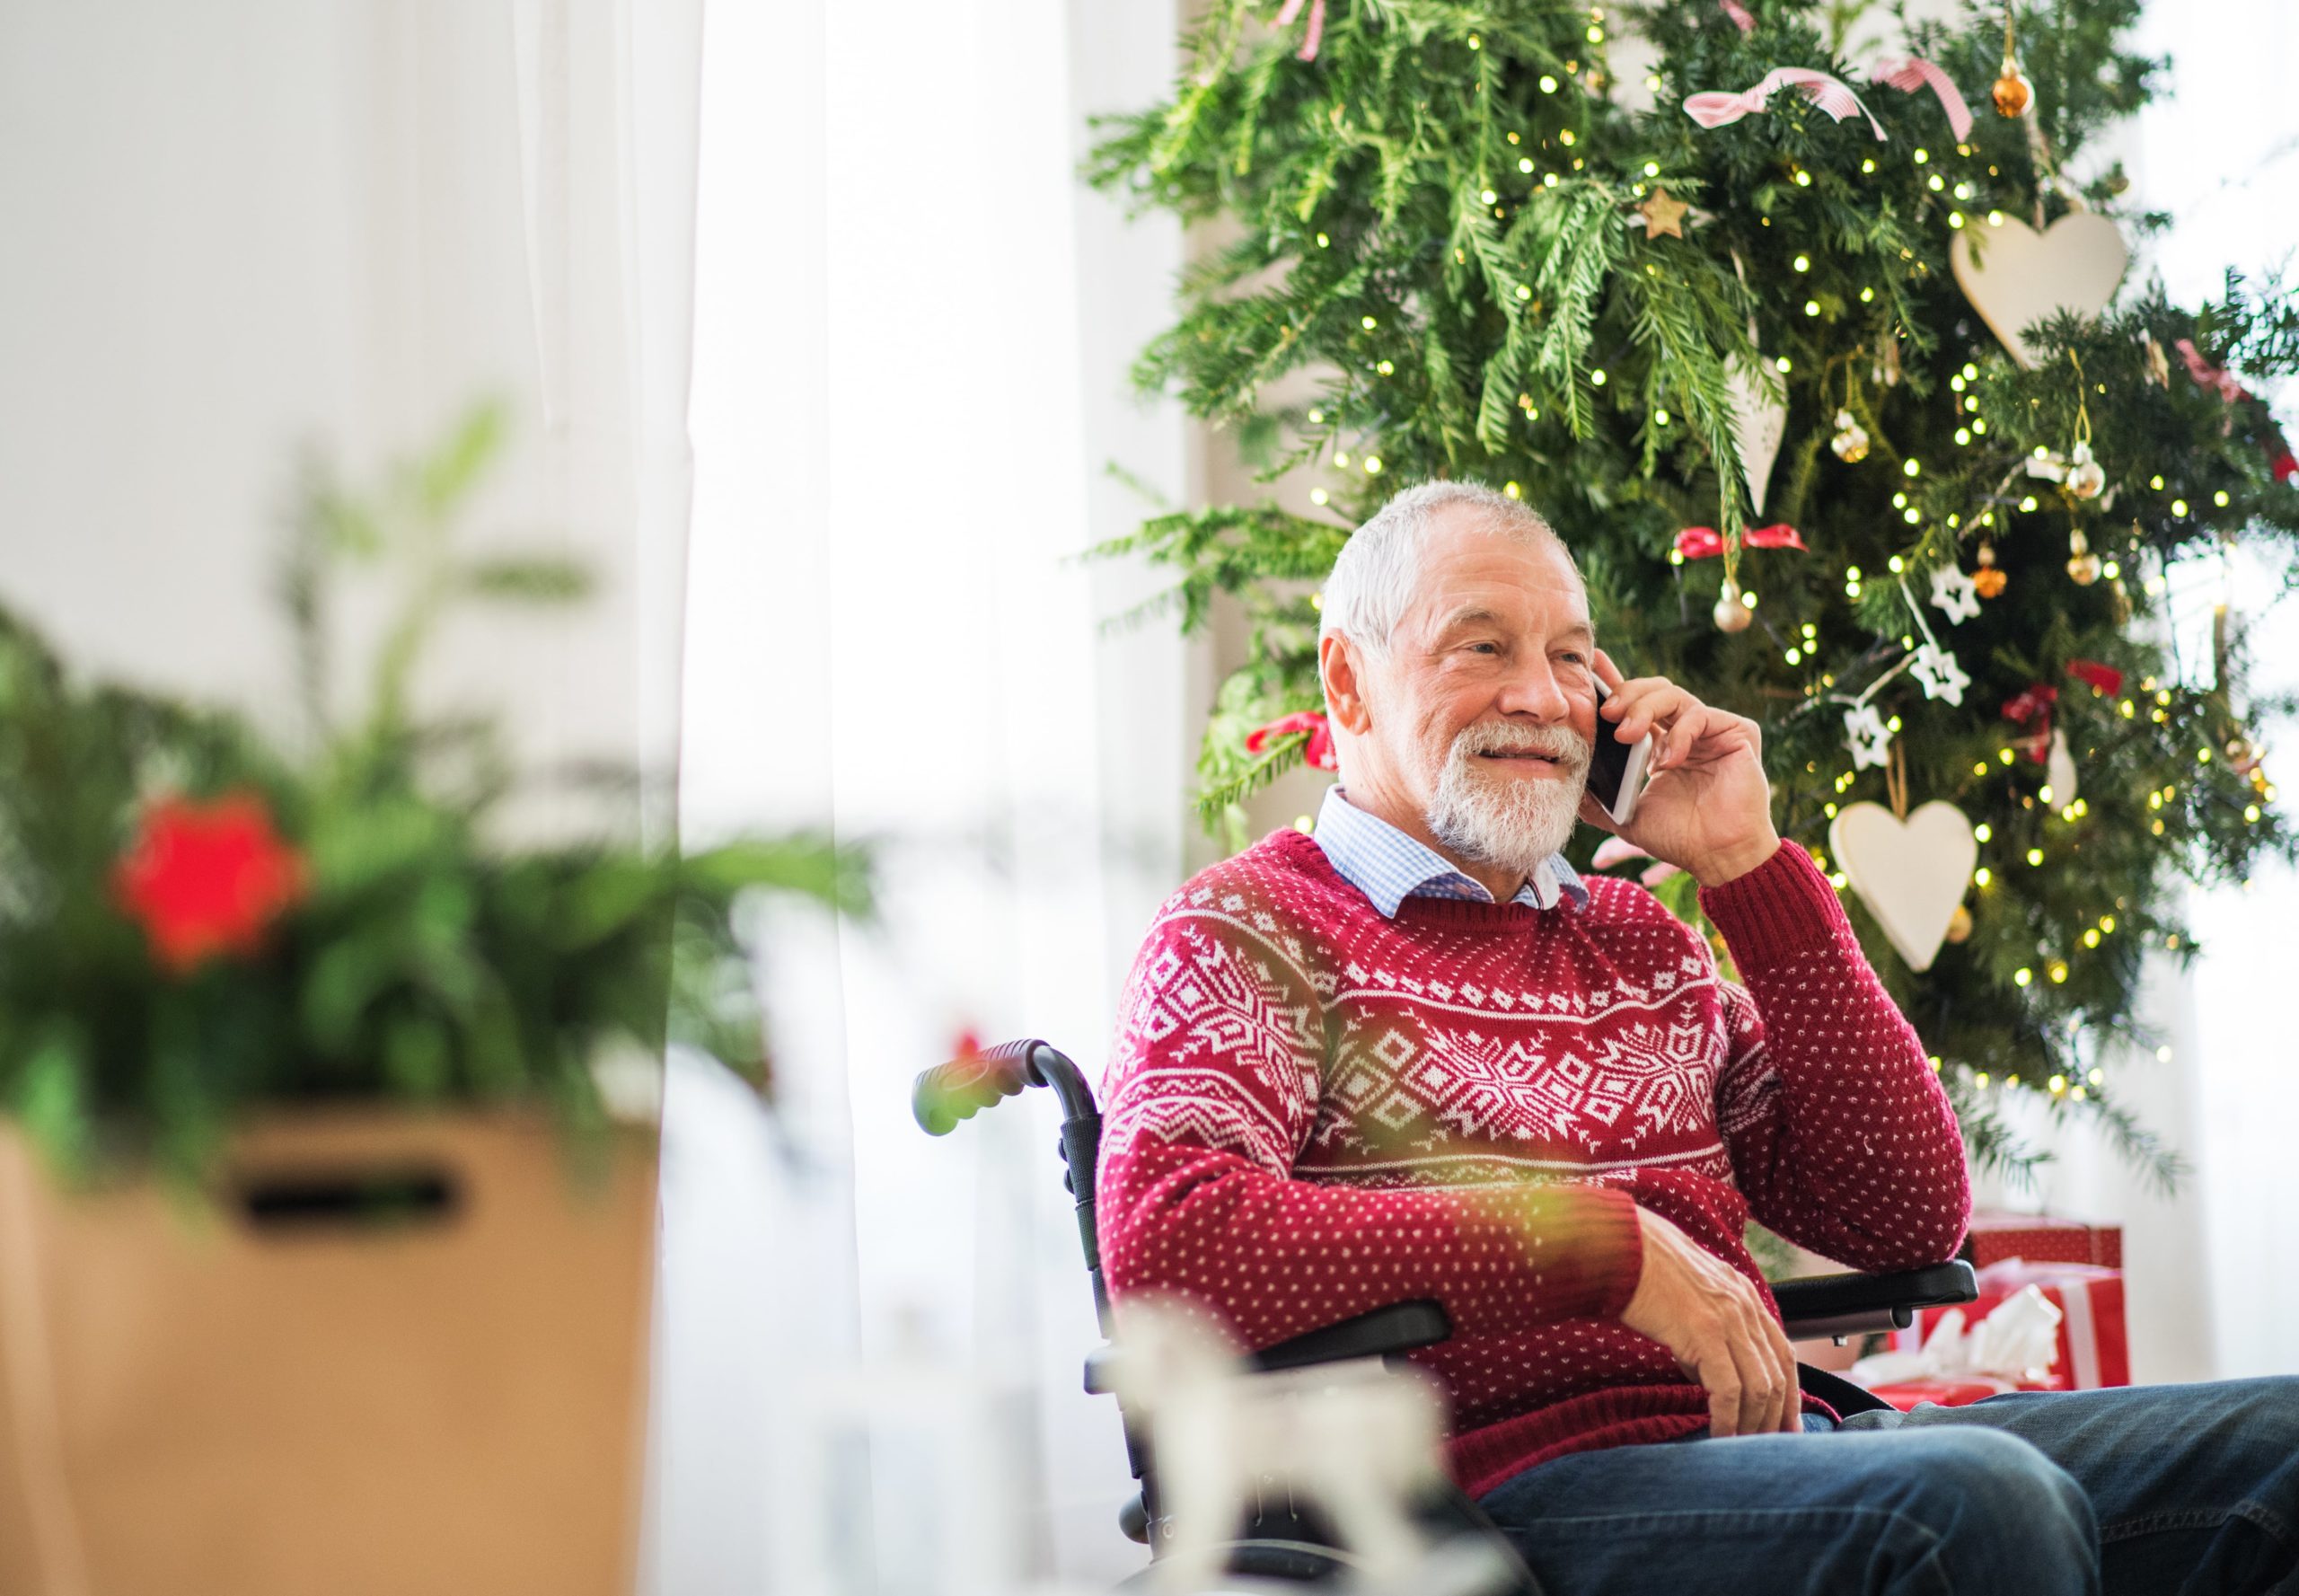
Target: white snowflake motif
1955 591
1940 675
1867 736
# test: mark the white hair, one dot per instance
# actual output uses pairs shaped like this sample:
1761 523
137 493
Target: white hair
1376 574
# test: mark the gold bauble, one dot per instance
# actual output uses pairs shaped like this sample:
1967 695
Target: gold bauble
2012 92
1730 614
2081 563
1851 440
1959 924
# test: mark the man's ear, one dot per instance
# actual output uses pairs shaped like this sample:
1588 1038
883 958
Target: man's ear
1345 703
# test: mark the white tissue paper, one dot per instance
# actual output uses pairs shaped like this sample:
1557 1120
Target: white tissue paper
2020 1340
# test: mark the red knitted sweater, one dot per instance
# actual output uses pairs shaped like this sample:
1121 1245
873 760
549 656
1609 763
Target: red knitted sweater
1312 1112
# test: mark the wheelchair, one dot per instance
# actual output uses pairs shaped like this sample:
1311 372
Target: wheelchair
1279 1540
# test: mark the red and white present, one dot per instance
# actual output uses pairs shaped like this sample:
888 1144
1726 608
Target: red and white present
1950 1390
2094 1346
1996 1235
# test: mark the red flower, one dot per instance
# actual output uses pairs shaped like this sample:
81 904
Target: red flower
204 878
1318 750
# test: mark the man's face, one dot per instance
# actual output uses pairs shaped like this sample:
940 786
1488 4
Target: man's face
1484 712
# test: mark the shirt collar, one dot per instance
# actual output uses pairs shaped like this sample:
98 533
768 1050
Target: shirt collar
1388 866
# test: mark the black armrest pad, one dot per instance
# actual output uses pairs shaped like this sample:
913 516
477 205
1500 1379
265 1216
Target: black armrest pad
1829 1296
1397 1328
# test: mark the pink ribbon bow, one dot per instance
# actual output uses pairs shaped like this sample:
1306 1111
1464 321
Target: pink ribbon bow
1317 29
1740 16
2208 375
1705 542
1714 108
1909 74
1318 750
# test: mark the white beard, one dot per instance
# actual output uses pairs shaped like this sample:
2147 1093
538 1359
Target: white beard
1490 817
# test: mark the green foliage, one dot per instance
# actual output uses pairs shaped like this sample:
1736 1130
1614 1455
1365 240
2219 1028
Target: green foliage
1435 221
423 962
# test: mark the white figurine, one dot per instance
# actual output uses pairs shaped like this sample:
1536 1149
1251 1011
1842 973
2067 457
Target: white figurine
1361 1441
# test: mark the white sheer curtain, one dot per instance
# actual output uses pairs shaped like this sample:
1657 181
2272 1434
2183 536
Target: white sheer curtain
912 329
237 230
2213 1275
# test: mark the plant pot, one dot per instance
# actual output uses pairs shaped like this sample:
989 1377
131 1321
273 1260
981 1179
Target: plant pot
285 1394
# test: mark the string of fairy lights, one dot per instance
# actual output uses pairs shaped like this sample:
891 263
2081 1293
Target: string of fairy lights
1540 165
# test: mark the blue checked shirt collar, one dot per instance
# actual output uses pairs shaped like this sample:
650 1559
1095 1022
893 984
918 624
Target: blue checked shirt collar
1389 867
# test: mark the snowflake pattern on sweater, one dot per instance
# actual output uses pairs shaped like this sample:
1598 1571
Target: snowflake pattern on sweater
1312 1111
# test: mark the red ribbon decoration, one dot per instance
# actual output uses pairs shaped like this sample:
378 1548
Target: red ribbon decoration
1705 542
1318 750
1316 28
2032 708
2102 678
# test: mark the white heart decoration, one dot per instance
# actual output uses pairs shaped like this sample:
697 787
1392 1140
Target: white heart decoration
1912 875
2059 769
2015 276
1760 421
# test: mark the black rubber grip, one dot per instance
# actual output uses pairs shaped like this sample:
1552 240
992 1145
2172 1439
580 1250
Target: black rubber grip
1824 1296
1385 1332
948 1093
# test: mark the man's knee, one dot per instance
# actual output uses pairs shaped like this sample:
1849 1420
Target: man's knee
1986 1490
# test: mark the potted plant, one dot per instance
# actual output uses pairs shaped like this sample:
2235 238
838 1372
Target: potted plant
324 1264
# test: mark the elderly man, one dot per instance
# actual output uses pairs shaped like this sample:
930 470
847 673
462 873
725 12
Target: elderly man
1415 1055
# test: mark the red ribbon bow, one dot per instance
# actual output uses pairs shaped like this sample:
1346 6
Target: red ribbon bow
1318 750
1705 542
2032 708
2102 678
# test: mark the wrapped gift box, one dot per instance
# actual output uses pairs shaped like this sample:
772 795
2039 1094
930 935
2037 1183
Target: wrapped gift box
2095 1347
1950 1392
2041 1239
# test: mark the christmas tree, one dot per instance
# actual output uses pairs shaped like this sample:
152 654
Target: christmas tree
1836 380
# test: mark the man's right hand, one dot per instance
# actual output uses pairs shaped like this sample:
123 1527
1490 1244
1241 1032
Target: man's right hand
1714 1323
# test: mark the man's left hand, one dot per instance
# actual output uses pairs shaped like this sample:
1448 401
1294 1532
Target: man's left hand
1706 807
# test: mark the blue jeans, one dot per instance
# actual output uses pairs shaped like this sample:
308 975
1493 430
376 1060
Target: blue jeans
2182 1490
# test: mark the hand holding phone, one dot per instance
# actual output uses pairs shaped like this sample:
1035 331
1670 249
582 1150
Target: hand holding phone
1616 769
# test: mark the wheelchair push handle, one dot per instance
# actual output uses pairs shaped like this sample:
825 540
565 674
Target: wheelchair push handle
950 1092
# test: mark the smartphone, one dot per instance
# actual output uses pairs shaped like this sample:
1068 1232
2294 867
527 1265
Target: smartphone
1616 769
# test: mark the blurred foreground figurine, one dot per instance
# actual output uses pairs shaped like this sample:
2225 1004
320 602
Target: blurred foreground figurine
1358 1443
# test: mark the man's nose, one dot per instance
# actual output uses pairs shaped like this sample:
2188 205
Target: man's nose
1534 689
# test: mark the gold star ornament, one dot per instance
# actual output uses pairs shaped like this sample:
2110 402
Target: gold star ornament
1663 217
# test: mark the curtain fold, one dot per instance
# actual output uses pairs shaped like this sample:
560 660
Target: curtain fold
912 332
249 231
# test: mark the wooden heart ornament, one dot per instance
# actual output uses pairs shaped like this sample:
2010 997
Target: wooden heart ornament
1911 874
2015 276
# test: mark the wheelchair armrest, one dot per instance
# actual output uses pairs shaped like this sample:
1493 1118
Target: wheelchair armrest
1817 1305
1383 1332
